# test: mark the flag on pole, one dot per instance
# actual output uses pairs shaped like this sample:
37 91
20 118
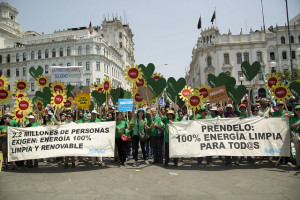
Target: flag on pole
213 17
91 28
199 23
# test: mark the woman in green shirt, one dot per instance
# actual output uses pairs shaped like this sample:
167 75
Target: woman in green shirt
121 128
295 123
4 123
140 124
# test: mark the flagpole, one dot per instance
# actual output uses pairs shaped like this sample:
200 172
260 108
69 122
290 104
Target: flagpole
215 16
262 11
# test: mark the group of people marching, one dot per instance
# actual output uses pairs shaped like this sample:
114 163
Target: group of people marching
148 129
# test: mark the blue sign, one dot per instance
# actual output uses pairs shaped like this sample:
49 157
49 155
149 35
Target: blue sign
125 104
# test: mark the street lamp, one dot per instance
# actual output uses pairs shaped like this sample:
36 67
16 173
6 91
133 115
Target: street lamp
272 66
241 79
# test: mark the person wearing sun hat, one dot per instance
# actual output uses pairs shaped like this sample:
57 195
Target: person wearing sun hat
168 119
295 125
243 113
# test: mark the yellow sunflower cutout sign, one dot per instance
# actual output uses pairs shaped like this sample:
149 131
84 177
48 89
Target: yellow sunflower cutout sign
185 92
141 83
193 101
20 95
83 100
133 73
68 104
18 117
157 76
42 81
57 86
5 95
271 80
23 105
58 99
203 90
39 106
3 82
138 99
106 85
281 92
21 85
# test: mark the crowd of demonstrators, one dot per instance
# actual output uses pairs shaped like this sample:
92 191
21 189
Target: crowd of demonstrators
140 126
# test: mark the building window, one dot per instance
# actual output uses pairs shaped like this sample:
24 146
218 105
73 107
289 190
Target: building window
79 50
32 87
24 71
32 55
87 82
87 49
246 57
284 55
121 45
97 49
98 66
8 73
120 34
17 57
226 59
8 58
292 39
0 72
272 56
53 53
98 80
68 64
0 58
69 51
39 54
17 72
87 66
282 39
105 68
258 55
227 73
293 55
61 64
80 64
238 58
46 69
61 52
260 76
46 53
8 87
208 61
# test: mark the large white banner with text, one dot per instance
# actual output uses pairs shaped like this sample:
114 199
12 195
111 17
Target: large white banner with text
66 74
230 137
88 139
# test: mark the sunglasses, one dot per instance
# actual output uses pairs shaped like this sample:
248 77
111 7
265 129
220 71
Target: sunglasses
297 109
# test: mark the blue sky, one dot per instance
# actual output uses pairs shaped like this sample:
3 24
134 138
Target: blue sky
165 31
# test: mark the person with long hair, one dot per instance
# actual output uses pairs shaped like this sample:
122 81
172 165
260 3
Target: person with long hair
295 123
121 130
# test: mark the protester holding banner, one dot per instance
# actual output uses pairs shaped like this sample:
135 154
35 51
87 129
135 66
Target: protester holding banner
121 136
295 123
4 123
264 110
243 113
32 124
130 124
92 120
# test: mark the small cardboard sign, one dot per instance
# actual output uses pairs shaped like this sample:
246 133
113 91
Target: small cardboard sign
217 94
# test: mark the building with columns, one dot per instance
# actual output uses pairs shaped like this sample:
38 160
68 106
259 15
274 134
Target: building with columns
104 53
215 53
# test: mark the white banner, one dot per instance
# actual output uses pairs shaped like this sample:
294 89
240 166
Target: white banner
88 139
230 137
66 74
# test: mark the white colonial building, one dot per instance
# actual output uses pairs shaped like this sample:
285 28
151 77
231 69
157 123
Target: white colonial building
104 53
216 53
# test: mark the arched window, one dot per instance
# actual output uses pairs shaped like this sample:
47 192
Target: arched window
32 55
79 50
282 40
292 39
87 49
0 58
284 55
24 56
98 49
17 57
46 53
53 53
208 61
39 54
227 73
68 51
61 52
8 58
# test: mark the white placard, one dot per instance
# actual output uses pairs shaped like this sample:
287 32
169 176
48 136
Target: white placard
66 74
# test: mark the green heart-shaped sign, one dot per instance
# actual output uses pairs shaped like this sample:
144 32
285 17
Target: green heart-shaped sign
178 85
99 98
230 82
147 71
250 71
69 90
115 94
214 81
36 72
34 101
295 89
156 86
126 94
180 103
44 96
236 94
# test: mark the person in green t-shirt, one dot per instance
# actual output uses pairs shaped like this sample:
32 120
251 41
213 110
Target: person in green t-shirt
140 124
121 128
94 117
243 113
295 124
169 119
129 148
214 112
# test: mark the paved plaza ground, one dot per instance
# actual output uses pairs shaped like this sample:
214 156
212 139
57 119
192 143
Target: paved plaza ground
187 181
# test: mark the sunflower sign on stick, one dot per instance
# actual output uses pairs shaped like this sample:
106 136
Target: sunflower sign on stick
3 82
193 101
58 99
23 105
133 73
5 96
18 117
83 100
21 85
281 92
42 81
203 90
185 92
271 80
57 86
